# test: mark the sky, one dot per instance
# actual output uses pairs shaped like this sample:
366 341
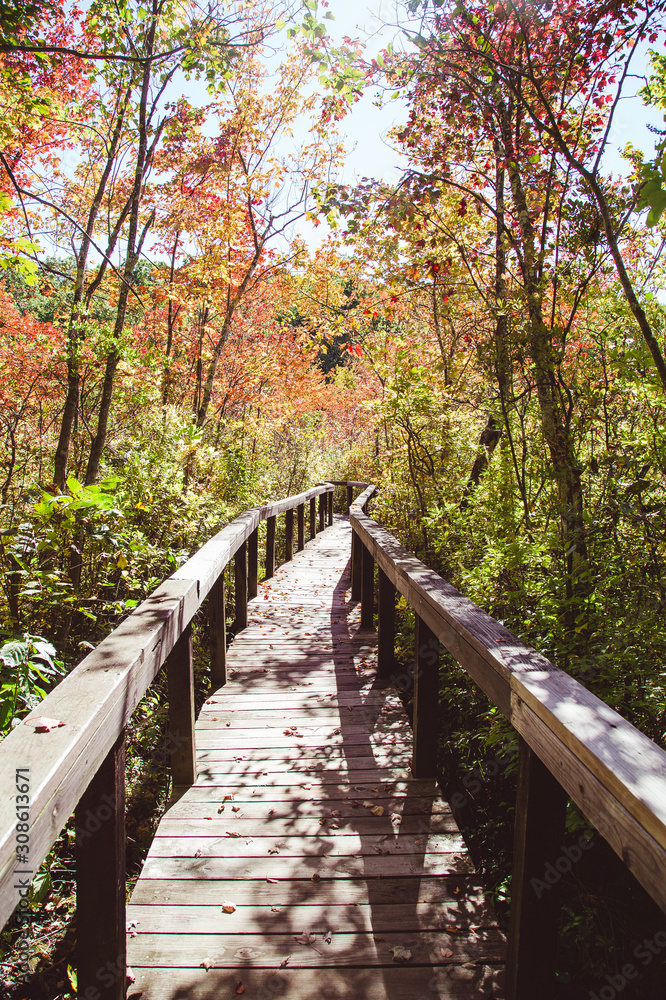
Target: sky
370 154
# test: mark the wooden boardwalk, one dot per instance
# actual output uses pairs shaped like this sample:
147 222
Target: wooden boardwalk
306 862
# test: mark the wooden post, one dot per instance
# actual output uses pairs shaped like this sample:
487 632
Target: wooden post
289 534
253 564
217 616
240 565
301 527
100 881
539 831
322 511
350 497
357 557
426 701
386 626
367 588
180 681
313 517
270 547
330 507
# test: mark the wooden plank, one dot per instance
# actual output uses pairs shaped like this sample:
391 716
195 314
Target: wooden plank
217 613
426 701
301 527
463 891
367 589
448 982
253 564
180 734
541 806
100 880
386 626
289 535
280 827
305 867
356 948
270 916
270 547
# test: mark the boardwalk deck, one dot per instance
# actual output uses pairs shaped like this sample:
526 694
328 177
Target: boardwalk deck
305 818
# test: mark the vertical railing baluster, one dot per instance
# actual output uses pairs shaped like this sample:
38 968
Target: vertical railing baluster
356 567
289 534
301 527
180 736
350 496
217 616
386 626
540 816
426 700
367 588
313 517
322 511
100 881
330 507
240 588
253 564
270 547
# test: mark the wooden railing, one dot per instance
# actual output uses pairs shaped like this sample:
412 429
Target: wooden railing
75 761
571 743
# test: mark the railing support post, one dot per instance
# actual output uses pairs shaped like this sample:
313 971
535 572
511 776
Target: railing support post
217 616
386 626
540 814
301 527
180 738
100 881
426 698
330 507
322 511
253 564
356 567
367 588
350 497
270 547
289 535
313 517
240 587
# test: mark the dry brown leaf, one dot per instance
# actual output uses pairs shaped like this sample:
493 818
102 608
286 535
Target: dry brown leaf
228 907
284 962
453 930
378 810
274 880
305 938
401 954
315 877
368 804
446 953
240 988
230 833
44 725
208 963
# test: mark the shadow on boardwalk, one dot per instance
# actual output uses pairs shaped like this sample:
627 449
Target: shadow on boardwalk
349 878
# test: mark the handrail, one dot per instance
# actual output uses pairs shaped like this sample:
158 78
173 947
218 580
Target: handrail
570 740
71 766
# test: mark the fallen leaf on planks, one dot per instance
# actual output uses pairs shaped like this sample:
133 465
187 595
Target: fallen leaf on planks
44 725
401 954
208 963
228 907
446 953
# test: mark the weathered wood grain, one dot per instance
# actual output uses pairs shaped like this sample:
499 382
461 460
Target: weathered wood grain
305 814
